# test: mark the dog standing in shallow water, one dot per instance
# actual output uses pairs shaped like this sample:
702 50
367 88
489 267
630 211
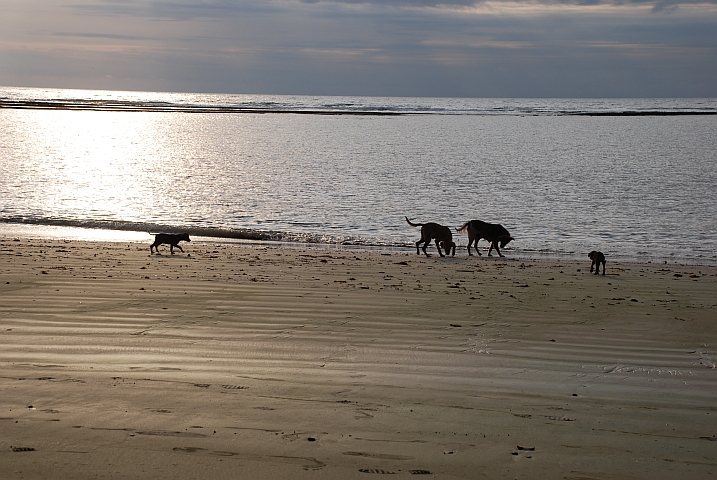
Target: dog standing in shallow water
441 234
171 239
597 258
492 232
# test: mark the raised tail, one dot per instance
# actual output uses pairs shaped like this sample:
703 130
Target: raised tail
413 224
463 228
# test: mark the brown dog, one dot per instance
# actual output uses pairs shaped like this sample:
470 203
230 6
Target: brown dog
492 232
597 258
441 234
171 239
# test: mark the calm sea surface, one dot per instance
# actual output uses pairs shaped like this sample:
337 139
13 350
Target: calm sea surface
636 179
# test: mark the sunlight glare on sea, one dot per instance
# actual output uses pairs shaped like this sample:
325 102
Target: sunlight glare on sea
96 162
633 178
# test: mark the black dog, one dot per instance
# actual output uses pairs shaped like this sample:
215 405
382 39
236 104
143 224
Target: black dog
171 239
441 234
492 232
597 258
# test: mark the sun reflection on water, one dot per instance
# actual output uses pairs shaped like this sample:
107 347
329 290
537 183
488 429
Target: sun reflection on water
93 162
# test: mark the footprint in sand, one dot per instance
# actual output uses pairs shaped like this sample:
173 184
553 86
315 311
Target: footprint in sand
234 387
188 449
376 470
22 449
165 433
524 452
559 418
383 456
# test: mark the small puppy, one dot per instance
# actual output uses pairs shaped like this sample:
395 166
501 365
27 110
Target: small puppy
441 234
597 258
493 232
171 239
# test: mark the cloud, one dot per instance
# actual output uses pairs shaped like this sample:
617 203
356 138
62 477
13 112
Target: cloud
100 35
188 9
469 3
376 47
182 10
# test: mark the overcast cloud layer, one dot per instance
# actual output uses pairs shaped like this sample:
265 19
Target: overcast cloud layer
541 48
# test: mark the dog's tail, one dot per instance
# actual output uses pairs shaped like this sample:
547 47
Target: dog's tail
413 224
463 228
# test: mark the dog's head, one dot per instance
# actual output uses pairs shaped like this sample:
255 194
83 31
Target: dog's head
505 240
185 237
449 246
595 255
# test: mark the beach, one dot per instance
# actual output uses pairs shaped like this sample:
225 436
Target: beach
250 361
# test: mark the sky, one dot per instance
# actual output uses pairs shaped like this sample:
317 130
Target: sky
438 48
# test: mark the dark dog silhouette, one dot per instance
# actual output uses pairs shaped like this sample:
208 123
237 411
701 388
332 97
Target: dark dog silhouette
441 234
597 258
171 239
492 232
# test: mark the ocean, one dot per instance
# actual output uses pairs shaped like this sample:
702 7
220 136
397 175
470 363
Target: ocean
634 178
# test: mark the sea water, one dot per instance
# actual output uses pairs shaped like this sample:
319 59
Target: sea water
635 178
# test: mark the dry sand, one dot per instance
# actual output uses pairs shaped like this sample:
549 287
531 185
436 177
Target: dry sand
249 362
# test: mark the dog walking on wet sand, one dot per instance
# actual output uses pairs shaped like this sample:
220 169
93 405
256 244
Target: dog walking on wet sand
171 239
493 232
431 231
597 258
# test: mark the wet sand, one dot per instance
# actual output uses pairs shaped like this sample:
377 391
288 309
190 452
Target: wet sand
248 362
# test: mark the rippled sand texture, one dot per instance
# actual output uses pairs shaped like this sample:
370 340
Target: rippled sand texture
242 362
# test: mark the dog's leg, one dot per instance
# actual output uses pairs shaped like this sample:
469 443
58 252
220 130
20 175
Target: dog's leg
438 247
426 242
494 244
418 246
180 248
592 266
603 268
